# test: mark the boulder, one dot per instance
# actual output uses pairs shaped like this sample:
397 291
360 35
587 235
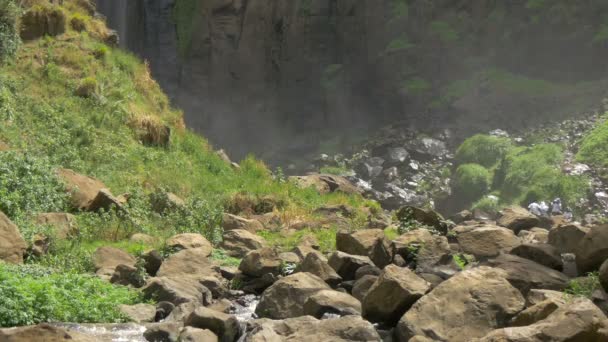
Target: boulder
105 201
592 250
333 302
42 332
225 326
12 245
127 275
325 184
303 250
469 305
485 241
152 261
105 260
537 296
143 239
362 285
313 264
577 321
260 262
604 275
544 254
429 249
366 242
307 328
534 235
526 274
177 290
82 189
166 202
139 313
567 237
367 270
190 241
239 242
393 293
190 334
232 222
346 265
426 217
517 218
286 297
63 224
165 332
536 313
188 262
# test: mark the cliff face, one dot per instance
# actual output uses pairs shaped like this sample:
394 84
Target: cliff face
257 75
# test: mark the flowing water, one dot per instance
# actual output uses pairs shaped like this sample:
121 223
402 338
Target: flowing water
129 332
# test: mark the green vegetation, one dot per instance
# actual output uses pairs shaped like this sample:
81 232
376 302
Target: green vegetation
487 205
9 33
184 16
400 9
472 181
336 170
593 149
325 236
398 45
416 85
485 150
33 294
584 286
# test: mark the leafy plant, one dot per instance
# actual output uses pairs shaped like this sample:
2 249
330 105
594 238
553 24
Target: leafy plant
485 150
583 287
9 33
472 181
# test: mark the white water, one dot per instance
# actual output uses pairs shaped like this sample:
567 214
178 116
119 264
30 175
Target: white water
129 332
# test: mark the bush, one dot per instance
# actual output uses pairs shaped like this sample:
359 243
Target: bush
472 181
9 34
78 22
593 149
32 294
485 150
87 87
489 204
28 185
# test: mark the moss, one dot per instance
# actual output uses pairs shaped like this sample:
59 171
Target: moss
485 150
472 181
184 16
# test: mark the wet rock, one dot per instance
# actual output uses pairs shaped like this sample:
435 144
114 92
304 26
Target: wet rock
305 329
427 148
259 262
139 313
567 237
592 250
239 242
225 326
190 241
12 245
105 260
190 334
42 332
393 293
579 320
315 265
485 241
165 332
517 218
471 304
544 254
362 285
397 155
232 222
177 290
346 265
331 302
526 274
286 297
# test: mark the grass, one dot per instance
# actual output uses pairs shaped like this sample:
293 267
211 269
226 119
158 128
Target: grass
593 149
472 181
583 287
482 149
325 236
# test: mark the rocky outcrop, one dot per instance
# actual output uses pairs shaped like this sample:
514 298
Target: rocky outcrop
105 260
485 240
233 222
567 237
190 241
517 218
346 265
188 262
313 264
239 242
366 242
331 302
225 326
420 245
543 254
177 290
260 262
64 224
82 189
139 313
592 250
469 305
12 245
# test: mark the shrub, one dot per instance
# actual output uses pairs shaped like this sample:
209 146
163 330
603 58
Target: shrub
583 286
33 294
485 150
593 149
472 181
78 22
28 185
489 204
9 34
87 87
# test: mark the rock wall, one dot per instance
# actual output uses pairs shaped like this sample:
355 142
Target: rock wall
267 75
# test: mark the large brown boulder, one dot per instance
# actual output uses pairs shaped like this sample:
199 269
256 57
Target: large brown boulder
191 334
567 237
105 260
325 184
12 245
426 217
362 286
188 262
429 249
177 290
313 264
469 305
42 332
307 328
63 224
346 265
544 254
189 241
225 326
576 321
592 250
82 189
364 242
286 297
517 218
603 274
526 274
485 241
333 302
139 313
393 293
232 222
239 242
105 201
260 262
